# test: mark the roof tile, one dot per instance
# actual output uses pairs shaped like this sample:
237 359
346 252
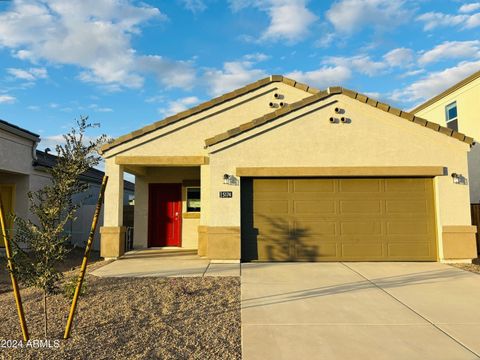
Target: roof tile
418 120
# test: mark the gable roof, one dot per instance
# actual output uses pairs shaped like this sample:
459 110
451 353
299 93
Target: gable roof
321 95
450 90
208 105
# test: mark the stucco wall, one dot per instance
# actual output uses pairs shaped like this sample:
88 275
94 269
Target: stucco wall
468 100
16 153
372 138
186 137
468 107
163 175
21 183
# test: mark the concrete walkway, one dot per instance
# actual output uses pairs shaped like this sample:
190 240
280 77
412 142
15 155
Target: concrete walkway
359 311
165 263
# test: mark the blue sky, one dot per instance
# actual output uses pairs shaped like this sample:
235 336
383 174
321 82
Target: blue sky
126 64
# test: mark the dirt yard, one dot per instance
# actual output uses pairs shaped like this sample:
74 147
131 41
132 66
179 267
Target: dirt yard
473 267
126 318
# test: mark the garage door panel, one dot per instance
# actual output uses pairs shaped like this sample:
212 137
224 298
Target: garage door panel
361 239
416 207
409 186
273 249
315 227
407 227
361 251
313 251
341 219
268 186
409 249
314 185
370 227
304 207
361 207
360 185
271 207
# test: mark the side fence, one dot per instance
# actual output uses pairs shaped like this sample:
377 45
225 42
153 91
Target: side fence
475 210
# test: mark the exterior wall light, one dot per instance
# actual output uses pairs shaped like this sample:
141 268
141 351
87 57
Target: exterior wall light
456 178
230 180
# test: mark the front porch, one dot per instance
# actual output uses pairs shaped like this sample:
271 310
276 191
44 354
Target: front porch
167 210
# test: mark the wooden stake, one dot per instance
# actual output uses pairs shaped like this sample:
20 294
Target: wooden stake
16 291
85 258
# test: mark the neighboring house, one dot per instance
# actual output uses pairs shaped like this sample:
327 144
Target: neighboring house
458 108
23 168
280 171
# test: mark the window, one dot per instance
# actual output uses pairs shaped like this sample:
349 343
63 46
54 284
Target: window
193 199
451 116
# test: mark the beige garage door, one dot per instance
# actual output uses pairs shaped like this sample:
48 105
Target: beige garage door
339 220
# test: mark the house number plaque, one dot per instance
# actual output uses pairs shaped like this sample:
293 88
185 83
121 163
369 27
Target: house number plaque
225 194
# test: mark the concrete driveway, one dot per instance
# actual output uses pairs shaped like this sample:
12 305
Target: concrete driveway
359 311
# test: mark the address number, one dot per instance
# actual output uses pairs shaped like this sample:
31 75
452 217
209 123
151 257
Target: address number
226 194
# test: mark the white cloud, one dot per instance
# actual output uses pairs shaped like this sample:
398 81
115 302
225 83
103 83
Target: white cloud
256 57
468 8
290 20
7 99
93 35
104 109
373 94
451 50
234 74
176 106
31 74
412 73
323 77
435 82
400 57
433 20
194 5
325 40
360 63
171 73
348 16
97 108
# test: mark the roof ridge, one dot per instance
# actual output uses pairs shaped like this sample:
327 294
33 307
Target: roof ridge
208 105
323 95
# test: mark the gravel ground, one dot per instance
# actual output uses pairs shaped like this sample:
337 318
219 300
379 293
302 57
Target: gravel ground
126 318
474 267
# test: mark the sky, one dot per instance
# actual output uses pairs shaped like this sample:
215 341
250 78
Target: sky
127 64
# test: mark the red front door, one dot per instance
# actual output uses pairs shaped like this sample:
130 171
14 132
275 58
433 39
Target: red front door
164 215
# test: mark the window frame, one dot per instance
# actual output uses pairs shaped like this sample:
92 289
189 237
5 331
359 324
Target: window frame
453 122
187 198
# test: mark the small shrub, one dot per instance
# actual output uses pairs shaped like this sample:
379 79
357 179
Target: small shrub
71 284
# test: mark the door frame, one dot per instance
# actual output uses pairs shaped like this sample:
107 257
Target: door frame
150 219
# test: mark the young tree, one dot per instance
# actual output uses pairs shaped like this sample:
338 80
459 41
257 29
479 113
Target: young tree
40 243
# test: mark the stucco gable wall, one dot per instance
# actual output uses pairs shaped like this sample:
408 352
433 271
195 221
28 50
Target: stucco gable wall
186 137
468 100
16 153
372 138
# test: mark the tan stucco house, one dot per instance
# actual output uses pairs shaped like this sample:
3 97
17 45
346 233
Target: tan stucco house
280 171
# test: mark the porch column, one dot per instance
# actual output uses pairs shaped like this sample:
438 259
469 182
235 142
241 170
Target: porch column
112 241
